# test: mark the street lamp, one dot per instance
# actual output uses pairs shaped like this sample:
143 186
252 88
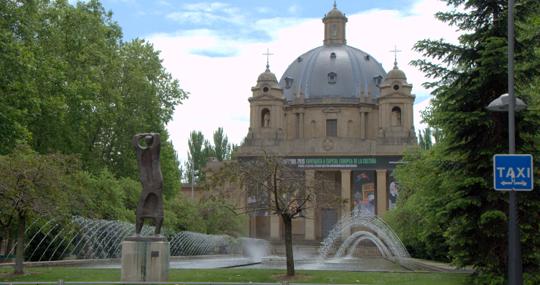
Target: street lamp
509 103
501 104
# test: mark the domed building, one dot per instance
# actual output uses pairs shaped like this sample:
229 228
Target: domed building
336 114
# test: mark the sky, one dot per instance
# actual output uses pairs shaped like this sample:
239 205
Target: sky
215 48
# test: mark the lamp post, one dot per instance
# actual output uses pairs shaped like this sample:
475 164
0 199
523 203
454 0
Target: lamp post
504 104
514 246
509 103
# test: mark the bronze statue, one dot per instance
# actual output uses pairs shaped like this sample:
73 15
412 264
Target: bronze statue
147 147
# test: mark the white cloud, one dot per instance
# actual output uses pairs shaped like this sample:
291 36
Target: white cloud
220 86
206 7
207 14
263 10
293 9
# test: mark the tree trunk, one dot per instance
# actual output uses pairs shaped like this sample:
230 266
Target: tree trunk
9 241
287 222
19 253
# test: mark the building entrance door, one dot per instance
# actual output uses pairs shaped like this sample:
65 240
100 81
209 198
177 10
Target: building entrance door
329 220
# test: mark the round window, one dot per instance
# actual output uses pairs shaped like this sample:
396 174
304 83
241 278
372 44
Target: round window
265 89
396 87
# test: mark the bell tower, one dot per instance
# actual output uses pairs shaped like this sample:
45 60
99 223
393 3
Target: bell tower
334 27
396 107
266 106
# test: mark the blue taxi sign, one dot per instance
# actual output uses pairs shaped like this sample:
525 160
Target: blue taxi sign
513 172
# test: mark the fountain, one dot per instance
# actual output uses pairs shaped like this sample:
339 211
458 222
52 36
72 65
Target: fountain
83 239
96 243
341 244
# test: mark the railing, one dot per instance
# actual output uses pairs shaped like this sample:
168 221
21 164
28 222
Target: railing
62 282
6 257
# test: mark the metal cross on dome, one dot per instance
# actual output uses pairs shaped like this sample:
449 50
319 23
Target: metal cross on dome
268 54
395 51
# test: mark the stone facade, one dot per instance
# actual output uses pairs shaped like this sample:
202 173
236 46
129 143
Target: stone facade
335 112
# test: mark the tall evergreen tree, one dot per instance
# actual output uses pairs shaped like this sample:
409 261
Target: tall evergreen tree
467 76
222 148
197 156
425 138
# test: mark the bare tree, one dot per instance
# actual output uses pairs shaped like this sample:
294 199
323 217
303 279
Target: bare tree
279 187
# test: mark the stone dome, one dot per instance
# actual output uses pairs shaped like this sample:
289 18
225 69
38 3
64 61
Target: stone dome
267 78
332 71
396 73
334 13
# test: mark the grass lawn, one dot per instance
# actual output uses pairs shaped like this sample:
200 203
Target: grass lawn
241 275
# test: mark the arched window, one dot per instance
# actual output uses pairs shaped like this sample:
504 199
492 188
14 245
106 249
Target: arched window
265 118
396 116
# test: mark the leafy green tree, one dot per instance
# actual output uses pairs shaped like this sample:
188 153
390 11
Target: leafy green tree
424 139
221 149
428 137
197 156
17 88
170 167
103 196
182 214
32 185
467 76
416 218
221 217
70 84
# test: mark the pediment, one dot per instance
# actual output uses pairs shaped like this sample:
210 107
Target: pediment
265 98
396 95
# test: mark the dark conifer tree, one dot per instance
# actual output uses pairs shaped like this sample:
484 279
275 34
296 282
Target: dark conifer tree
466 77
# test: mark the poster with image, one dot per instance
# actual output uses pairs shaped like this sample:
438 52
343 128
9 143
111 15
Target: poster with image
363 191
393 192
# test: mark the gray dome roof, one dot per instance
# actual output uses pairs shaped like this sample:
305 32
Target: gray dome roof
396 73
332 71
267 77
334 13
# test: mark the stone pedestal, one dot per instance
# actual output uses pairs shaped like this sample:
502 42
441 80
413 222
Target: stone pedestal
145 259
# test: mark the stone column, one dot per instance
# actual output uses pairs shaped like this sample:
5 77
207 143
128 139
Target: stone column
274 224
382 194
346 199
274 227
301 125
362 125
309 225
252 226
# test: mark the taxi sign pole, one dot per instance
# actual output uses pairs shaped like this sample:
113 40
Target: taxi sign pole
514 247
